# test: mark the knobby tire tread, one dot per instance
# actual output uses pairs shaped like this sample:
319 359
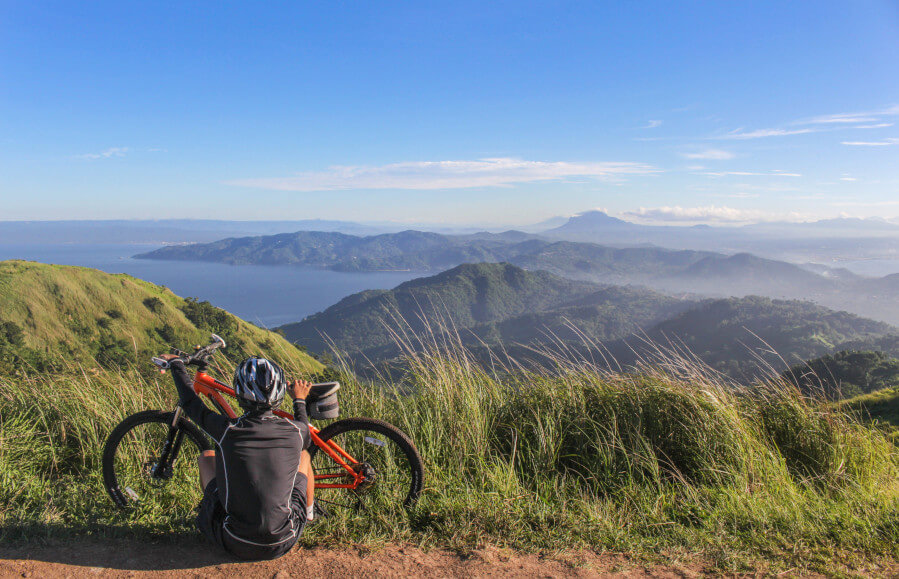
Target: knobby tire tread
395 434
118 433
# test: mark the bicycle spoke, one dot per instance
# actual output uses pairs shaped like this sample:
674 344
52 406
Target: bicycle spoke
147 482
384 467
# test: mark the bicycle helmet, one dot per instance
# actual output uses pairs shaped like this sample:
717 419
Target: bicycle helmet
259 383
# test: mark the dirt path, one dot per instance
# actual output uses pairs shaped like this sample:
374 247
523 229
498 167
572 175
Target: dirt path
128 558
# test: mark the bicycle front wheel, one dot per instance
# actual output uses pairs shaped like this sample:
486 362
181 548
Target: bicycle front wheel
386 457
150 463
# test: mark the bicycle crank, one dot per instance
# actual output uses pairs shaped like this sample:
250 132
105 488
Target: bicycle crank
369 476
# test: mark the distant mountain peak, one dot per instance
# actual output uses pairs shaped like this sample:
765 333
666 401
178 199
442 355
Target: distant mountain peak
598 217
592 221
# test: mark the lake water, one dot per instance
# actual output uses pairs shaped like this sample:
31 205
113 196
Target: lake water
265 295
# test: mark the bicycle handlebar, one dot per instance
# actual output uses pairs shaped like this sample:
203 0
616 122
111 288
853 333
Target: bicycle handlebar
199 357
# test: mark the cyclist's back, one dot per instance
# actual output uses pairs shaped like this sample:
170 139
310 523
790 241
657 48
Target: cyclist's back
255 506
260 457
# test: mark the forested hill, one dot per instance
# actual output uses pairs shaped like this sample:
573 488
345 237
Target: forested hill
423 251
407 250
55 317
497 303
502 307
742 336
845 374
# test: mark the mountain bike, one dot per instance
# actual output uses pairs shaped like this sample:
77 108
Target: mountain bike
149 460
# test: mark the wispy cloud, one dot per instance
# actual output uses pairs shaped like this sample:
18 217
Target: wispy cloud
750 174
843 118
875 126
106 154
710 154
707 214
652 124
884 143
425 175
763 133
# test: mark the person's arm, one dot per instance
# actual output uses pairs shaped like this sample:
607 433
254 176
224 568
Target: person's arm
298 390
212 422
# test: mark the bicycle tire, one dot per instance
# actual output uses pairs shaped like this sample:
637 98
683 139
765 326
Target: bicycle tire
111 478
414 466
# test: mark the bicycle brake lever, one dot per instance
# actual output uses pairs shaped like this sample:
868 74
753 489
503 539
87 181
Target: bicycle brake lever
164 364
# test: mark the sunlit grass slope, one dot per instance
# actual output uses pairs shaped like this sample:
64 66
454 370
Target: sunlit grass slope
881 407
55 317
572 458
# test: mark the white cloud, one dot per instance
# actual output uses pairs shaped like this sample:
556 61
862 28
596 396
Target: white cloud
875 126
445 175
710 154
883 143
707 214
865 117
652 124
763 133
750 174
843 118
106 154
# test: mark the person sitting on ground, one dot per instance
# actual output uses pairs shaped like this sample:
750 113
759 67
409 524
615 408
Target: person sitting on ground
258 483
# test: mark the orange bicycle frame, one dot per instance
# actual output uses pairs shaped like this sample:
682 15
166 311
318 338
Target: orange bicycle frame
206 385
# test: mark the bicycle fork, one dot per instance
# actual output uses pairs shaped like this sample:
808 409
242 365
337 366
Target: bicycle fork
170 449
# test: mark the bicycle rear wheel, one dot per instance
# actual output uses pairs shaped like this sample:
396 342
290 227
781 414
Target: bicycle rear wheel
383 453
152 466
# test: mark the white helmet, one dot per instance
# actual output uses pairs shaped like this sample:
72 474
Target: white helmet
259 382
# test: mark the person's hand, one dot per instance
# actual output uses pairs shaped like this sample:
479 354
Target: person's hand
299 389
168 357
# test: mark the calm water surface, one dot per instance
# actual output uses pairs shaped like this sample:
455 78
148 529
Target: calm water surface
265 295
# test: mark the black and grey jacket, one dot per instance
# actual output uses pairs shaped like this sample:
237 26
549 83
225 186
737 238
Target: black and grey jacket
256 466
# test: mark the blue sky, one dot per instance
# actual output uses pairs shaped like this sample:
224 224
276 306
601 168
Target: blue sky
455 112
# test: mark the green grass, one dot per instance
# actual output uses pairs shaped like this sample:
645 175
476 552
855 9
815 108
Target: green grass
55 316
574 458
880 407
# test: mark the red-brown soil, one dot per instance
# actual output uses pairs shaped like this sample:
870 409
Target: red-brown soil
129 558
193 558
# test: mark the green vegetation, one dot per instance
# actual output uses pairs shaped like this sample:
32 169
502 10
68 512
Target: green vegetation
502 307
752 337
574 458
880 407
666 461
57 318
846 374
467 295
488 304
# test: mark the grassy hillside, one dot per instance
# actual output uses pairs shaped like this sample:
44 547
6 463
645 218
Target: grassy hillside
577 458
881 407
55 317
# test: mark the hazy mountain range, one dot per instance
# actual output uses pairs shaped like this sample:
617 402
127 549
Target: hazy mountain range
674 271
820 241
506 308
